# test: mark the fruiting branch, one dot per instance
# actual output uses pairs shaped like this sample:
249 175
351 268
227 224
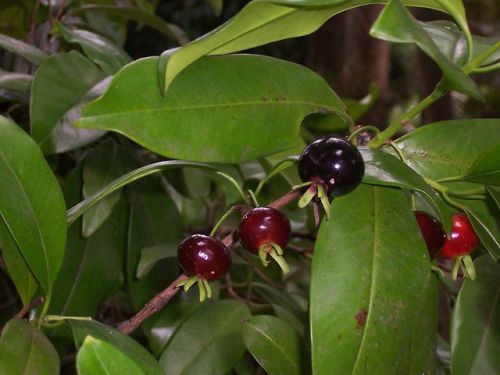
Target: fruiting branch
160 300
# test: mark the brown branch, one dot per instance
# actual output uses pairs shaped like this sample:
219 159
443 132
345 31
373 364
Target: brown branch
159 301
154 305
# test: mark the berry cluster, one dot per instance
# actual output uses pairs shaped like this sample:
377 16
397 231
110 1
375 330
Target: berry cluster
328 167
458 245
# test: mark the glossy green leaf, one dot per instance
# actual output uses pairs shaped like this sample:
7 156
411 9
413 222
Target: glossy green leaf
209 342
25 350
486 169
451 42
31 204
102 51
384 169
93 267
265 97
278 297
449 148
265 21
274 344
97 357
76 211
19 272
23 49
475 343
103 165
152 254
153 220
136 14
15 81
396 24
129 347
422 350
160 328
369 279
65 136
485 219
68 77
494 192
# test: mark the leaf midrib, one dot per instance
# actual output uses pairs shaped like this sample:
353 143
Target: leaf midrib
38 229
216 105
209 342
370 303
285 354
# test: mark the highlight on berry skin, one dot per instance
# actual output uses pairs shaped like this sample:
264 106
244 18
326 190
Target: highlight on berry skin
266 231
203 259
329 167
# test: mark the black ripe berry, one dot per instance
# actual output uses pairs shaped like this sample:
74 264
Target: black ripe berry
265 230
334 162
204 257
432 231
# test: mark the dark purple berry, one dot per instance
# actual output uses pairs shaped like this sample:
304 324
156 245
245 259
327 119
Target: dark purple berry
432 231
334 161
264 225
204 256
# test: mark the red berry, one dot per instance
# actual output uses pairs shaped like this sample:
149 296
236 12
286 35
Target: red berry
432 230
204 256
462 240
264 225
336 162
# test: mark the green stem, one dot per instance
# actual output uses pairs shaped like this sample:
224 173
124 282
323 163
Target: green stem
281 166
222 219
396 126
45 309
398 151
253 199
487 69
368 128
474 64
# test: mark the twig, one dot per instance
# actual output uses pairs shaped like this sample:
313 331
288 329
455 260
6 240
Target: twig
153 306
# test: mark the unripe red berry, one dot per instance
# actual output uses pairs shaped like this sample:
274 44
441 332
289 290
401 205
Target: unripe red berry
462 239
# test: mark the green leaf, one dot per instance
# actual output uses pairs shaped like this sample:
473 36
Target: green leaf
15 81
103 165
160 328
451 42
449 148
130 348
476 322
422 353
93 267
277 297
67 77
396 24
486 169
274 344
384 169
102 51
153 220
209 342
19 271
485 219
25 350
222 120
25 50
152 254
261 22
369 278
31 204
170 30
65 136
97 357
494 192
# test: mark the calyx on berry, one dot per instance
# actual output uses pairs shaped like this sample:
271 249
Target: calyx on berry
263 231
459 244
204 259
432 231
330 167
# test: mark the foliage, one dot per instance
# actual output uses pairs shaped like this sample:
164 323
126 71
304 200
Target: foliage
107 163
